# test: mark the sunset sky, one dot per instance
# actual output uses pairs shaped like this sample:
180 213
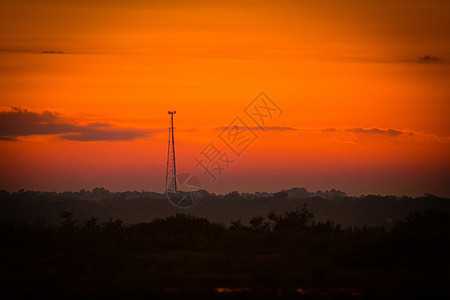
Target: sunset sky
362 87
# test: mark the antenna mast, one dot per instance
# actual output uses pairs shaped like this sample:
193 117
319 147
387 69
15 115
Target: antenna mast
171 170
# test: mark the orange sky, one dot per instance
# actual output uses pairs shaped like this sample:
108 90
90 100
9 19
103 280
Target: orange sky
364 90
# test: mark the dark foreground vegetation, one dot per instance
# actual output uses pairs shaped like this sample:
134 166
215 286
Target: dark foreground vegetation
136 207
281 254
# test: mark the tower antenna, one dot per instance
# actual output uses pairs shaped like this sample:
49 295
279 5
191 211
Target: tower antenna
171 170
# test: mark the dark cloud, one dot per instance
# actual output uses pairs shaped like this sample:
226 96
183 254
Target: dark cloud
389 132
423 59
430 59
115 134
98 125
20 122
5 138
329 129
7 50
37 52
274 128
52 52
267 128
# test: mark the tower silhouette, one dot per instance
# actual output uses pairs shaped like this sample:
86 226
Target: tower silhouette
171 170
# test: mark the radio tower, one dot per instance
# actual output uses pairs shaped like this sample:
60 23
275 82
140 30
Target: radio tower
171 171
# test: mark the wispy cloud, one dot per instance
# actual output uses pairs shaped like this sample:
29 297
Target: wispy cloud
353 134
267 128
5 138
425 59
20 122
389 132
52 52
113 134
430 59
31 51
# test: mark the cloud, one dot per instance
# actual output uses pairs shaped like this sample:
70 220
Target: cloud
430 59
275 128
52 52
389 132
398 59
111 135
98 125
267 128
26 50
353 134
350 135
20 122
5 138
329 129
